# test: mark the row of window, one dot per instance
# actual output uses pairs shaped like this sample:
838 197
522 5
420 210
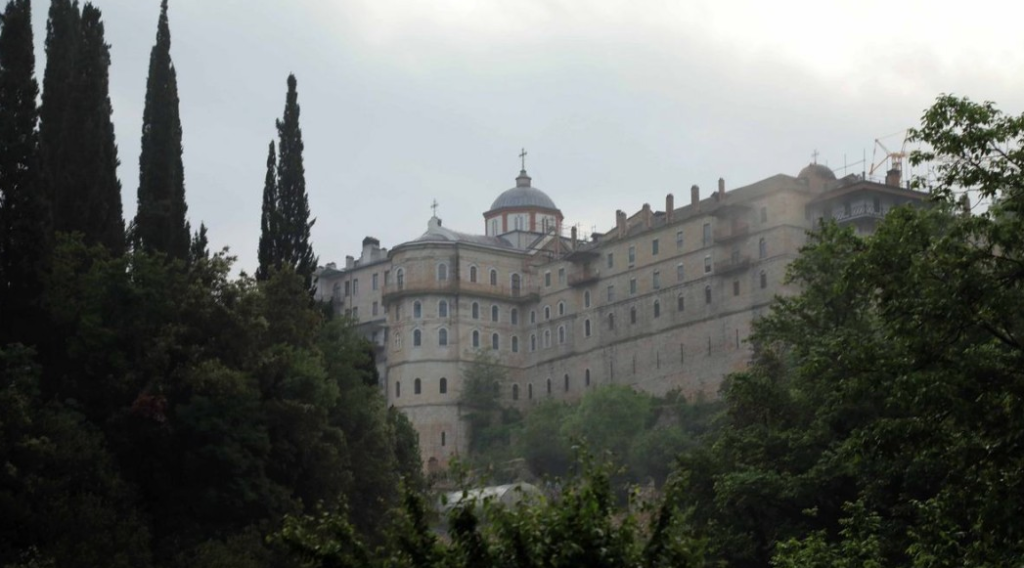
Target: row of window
417 387
442 334
442 274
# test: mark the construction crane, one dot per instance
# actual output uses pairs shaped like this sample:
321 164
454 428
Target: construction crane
894 160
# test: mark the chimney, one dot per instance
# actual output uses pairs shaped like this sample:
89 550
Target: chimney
694 195
670 208
620 223
892 177
370 248
645 215
721 186
350 261
573 232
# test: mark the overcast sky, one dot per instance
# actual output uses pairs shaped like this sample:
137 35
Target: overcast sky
616 102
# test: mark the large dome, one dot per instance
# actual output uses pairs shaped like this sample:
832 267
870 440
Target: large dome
818 171
523 195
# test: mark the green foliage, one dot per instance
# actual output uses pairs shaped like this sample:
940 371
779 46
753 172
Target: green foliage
160 224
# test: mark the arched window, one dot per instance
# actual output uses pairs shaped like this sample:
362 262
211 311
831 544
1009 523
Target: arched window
494 313
707 294
442 309
549 387
417 337
529 391
533 342
764 279
444 438
516 285
586 328
443 386
567 383
442 271
586 299
515 344
398 389
547 312
533 317
476 338
657 308
632 315
472 274
417 310
586 378
515 392
547 338
400 278
476 311
442 337
611 321
680 303
561 308
417 386
762 248
494 341
561 334
514 316
494 277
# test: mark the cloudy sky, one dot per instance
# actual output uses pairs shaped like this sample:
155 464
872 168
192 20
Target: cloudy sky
616 102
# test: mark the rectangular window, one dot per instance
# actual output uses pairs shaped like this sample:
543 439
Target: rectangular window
707 264
611 260
679 272
373 281
348 288
611 293
355 312
764 214
561 276
656 280
632 255
735 287
374 309
654 247
679 239
632 286
387 277
355 287
707 234
547 279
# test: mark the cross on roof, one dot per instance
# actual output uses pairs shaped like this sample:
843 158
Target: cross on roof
814 155
433 206
522 156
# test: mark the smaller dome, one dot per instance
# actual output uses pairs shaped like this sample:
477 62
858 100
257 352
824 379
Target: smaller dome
817 171
523 195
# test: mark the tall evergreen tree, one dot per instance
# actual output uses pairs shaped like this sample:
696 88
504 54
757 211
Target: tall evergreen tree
269 226
160 221
77 135
295 247
23 242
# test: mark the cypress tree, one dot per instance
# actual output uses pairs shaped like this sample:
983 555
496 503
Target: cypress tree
63 27
269 226
23 235
160 221
296 250
77 135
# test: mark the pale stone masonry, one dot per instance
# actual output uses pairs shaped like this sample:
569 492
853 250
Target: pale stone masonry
663 301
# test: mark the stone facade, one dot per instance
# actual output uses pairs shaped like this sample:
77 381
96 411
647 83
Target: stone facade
663 301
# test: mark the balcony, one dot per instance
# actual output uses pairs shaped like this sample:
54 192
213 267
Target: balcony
734 264
731 232
451 287
583 277
864 210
